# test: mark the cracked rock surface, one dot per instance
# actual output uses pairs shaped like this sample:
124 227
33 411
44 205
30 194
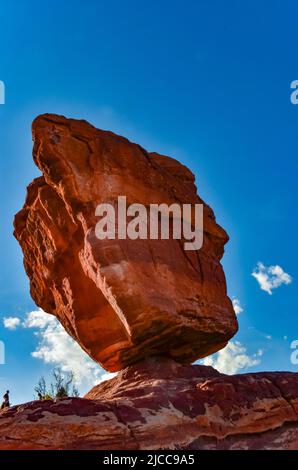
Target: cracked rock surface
160 404
122 300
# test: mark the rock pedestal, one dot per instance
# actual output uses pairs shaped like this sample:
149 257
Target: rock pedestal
160 404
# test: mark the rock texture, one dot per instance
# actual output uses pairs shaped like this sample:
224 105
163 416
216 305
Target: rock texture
122 300
160 404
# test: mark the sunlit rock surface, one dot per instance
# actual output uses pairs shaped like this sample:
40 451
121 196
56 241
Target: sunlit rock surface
160 404
121 300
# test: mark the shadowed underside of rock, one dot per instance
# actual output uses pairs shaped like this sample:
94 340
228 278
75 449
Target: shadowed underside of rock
159 404
121 300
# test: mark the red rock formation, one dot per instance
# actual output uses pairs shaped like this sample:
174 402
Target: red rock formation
122 300
159 404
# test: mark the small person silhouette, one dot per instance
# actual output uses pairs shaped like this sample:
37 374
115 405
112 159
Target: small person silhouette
5 403
40 397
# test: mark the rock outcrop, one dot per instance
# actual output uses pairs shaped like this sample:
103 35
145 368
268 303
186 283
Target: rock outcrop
145 307
122 300
160 404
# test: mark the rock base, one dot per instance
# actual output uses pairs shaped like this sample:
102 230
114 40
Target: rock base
160 404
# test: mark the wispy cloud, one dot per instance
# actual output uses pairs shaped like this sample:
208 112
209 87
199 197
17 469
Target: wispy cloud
270 277
11 323
56 347
237 306
232 359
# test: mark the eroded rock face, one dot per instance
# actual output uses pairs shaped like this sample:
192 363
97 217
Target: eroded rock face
159 404
121 300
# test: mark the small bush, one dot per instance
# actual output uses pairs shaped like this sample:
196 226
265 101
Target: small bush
62 386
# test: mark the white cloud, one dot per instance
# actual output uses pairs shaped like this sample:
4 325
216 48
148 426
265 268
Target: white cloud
38 319
56 347
270 277
11 323
232 358
237 307
268 337
259 352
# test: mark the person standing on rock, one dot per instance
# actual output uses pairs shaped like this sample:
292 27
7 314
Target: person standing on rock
5 403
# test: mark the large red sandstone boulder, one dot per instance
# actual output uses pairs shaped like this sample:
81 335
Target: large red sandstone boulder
121 300
159 404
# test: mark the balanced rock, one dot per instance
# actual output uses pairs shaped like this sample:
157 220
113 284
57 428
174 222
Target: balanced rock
160 404
122 300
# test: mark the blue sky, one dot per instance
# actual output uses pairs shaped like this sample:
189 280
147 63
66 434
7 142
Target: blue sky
205 82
